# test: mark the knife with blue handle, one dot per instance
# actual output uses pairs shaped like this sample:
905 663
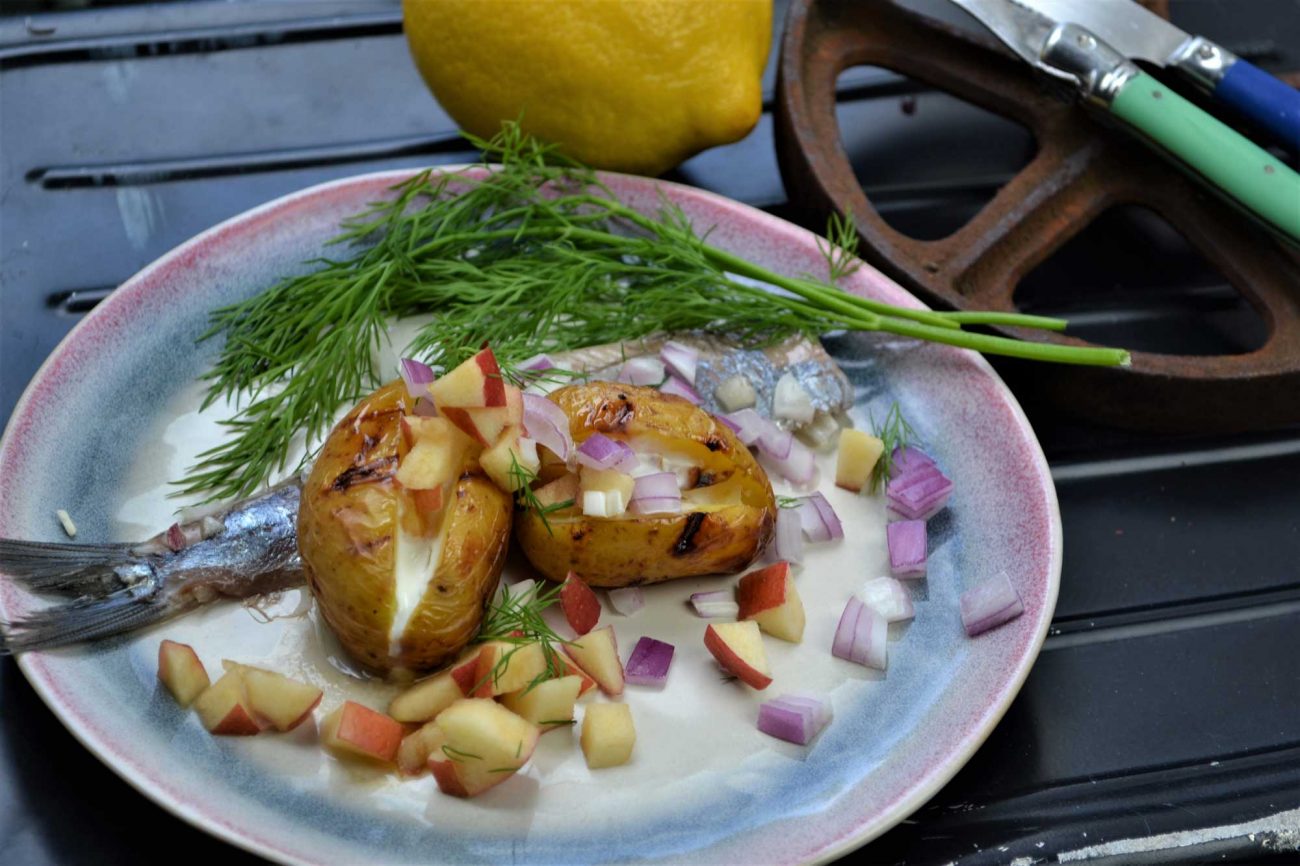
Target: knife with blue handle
1140 34
1254 178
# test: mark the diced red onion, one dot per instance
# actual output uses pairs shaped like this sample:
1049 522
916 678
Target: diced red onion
791 401
889 598
907 542
681 388
904 460
748 424
682 360
627 600
601 452
417 377
798 466
732 425
538 363
424 408
656 505
720 602
793 719
775 442
818 520
861 636
546 423
648 665
919 494
642 371
990 604
656 493
789 535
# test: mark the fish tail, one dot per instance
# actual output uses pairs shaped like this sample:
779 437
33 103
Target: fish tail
78 570
86 619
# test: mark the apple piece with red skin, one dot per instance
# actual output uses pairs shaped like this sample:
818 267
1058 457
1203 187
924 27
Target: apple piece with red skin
597 654
430 696
769 597
508 667
571 669
549 704
738 647
580 605
466 674
485 424
180 670
476 382
277 701
479 744
223 707
354 730
413 753
510 450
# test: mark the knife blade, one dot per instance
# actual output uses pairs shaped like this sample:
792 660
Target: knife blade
1230 163
1138 33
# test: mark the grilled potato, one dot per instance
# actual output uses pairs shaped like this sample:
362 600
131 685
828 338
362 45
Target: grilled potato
728 509
355 515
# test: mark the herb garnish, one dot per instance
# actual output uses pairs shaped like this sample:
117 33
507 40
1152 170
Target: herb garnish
789 501
896 433
533 256
517 620
457 755
522 478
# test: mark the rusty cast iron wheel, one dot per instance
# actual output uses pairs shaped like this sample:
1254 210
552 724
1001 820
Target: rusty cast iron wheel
1081 169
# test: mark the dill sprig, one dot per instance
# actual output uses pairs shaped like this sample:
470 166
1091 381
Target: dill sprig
896 433
788 501
840 247
516 619
522 478
532 256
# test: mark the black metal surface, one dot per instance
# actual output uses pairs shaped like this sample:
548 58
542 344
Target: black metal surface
1167 699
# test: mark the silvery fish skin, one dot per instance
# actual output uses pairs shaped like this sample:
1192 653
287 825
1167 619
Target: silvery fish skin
247 549
720 359
251 546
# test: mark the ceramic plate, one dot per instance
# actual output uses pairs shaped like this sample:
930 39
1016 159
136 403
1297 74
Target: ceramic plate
112 416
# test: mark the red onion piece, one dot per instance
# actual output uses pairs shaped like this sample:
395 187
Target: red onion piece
799 466
907 542
681 359
681 388
789 535
786 722
861 636
656 493
905 460
628 600
990 604
734 427
642 371
424 408
546 422
538 363
820 707
775 442
818 520
417 376
721 602
889 598
919 494
748 424
656 505
601 452
648 665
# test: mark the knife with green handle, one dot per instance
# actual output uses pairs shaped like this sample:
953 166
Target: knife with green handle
1258 181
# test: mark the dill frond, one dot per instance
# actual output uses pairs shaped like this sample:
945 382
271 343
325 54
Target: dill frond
896 433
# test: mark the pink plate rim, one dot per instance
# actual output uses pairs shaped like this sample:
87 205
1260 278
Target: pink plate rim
839 839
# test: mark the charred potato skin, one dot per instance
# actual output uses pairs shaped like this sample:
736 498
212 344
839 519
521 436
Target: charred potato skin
637 550
347 522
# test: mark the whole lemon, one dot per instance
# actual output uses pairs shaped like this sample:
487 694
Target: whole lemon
627 85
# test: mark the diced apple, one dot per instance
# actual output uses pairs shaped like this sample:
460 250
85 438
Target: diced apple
466 674
548 704
476 382
413 753
608 735
430 696
481 745
485 424
223 707
571 669
507 667
580 605
511 449
769 597
738 647
858 453
281 702
597 653
563 489
358 731
438 452
181 672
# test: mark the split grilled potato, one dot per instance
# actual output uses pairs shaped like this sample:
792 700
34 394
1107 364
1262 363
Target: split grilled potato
354 515
728 509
